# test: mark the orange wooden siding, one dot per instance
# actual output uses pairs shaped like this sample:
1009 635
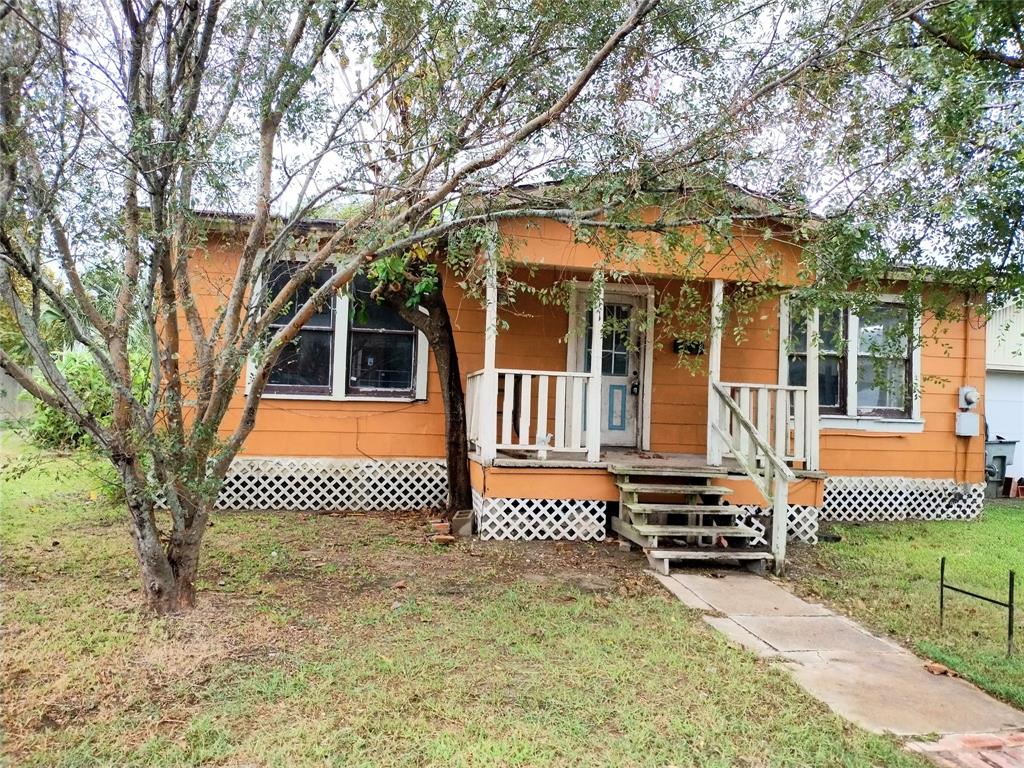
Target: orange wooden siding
535 339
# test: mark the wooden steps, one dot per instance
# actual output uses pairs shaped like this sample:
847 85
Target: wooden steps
672 488
644 508
728 531
678 514
640 470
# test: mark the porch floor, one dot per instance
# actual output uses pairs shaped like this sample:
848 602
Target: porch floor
611 456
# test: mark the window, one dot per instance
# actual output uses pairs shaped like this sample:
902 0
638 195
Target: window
831 360
382 346
883 362
868 353
306 364
351 348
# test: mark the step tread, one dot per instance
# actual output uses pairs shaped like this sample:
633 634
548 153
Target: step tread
709 554
641 470
645 508
709 490
646 529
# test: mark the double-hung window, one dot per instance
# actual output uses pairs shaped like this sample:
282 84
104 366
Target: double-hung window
867 365
381 346
352 347
305 365
831 360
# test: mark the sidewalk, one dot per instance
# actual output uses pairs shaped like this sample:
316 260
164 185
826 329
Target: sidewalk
873 682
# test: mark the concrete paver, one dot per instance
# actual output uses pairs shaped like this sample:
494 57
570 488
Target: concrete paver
869 680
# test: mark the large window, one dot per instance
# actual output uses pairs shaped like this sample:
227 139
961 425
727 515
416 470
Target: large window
352 347
868 354
306 364
382 346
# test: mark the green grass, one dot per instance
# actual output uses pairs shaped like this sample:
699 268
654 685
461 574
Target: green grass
305 651
887 575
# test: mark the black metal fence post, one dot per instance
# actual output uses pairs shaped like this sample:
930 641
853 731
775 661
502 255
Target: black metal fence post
1009 629
942 592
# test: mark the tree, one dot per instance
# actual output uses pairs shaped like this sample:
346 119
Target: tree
117 125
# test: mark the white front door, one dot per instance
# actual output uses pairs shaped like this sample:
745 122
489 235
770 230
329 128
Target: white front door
620 369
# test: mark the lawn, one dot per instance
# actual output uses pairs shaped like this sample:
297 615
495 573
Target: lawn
351 641
887 576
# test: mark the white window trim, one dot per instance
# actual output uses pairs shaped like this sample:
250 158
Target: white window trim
851 420
339 373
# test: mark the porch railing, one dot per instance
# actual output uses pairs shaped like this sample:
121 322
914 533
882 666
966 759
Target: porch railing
540 411
783 416
745 441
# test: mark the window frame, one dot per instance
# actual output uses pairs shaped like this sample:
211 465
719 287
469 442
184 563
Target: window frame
339 362
850 415
332 331
377 392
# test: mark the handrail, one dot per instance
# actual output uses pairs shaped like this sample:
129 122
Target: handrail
772 479
769 453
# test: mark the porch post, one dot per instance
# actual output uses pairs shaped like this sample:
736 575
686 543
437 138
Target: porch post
488 429
594 383
714 443
811 417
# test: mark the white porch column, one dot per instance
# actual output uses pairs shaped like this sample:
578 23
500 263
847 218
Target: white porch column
714 443
594 383
488 429
811 417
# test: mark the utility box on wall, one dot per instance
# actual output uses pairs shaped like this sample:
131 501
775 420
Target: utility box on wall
967 424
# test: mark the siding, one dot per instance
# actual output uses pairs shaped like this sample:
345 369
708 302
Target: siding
535 339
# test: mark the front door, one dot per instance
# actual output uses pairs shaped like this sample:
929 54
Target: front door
620 370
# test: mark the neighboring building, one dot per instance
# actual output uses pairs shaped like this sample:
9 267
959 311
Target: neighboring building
1004 381
354 417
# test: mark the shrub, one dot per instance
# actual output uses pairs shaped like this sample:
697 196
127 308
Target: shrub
51 428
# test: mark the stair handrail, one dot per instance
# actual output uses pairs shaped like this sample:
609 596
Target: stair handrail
772 479
774 464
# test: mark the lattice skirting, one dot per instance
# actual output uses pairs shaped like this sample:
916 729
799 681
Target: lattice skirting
861 499
801 523
307 485
533 519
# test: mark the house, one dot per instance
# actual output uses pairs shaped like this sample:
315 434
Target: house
1004 382
764 432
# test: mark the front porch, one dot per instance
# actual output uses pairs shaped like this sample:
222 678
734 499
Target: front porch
527 427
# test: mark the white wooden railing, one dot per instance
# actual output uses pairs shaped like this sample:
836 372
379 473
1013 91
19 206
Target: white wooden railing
541 411
783 416
746 442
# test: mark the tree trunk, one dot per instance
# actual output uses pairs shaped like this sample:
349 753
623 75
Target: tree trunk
460 495
168 572
436 325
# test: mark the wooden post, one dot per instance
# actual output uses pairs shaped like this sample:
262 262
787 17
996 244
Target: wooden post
714 443
594 383
811 420
780 521
488 420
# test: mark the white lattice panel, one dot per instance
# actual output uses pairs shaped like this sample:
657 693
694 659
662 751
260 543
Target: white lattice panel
307 485
801 522
533 519
862 499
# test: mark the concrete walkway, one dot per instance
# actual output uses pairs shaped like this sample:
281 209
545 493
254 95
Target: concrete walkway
872 681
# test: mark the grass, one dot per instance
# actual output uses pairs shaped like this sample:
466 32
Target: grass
887 575
349 641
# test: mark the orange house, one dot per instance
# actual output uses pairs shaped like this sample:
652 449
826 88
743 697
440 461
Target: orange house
761 433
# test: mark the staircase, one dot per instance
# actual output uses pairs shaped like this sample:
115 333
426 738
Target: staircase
678 513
